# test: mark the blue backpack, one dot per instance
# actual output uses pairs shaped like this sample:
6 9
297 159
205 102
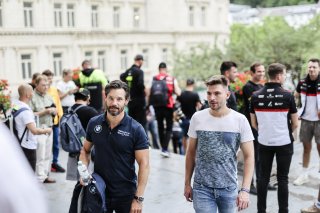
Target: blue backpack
90 198
72 133
94 197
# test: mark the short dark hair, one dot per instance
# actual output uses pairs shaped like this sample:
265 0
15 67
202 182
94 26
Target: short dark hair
254 66
315 60
227 65
35 75
85 61
47 73
217 79
117 84
275 69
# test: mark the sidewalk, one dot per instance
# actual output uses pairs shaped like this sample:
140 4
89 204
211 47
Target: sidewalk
164 191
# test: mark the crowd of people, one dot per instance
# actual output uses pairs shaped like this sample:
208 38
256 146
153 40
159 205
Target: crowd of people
119 115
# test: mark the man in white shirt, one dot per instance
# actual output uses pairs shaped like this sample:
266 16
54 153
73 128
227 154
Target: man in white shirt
66 89
25 122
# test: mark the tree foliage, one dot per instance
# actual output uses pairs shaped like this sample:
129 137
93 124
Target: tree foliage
272 41
272 3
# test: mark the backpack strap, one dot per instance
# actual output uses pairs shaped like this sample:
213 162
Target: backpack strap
74 110
15 114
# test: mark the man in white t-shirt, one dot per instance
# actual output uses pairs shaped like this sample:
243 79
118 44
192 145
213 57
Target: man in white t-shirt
26 125
216 134
66 89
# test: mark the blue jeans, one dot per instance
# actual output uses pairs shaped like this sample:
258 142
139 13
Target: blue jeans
209 200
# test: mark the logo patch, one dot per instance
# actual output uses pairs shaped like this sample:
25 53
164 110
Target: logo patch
279 96
270 104
123 133
98 129
270 90
278 104
261 104
270 96
260 96
92 189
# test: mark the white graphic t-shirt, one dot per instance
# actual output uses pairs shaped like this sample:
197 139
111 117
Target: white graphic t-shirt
218 141
65 87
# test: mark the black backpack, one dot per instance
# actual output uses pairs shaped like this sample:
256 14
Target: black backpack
11 123
159 93
71 131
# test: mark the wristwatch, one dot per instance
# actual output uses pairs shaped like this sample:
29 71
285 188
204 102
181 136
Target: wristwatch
139 199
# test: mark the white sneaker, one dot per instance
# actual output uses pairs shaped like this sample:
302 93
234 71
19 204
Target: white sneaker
302 179
165 154
311 209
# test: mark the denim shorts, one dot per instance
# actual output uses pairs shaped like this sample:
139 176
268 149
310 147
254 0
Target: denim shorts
212 200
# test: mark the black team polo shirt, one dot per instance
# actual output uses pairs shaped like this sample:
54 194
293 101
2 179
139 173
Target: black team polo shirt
115 153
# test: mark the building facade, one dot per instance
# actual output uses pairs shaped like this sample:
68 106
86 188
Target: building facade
55 34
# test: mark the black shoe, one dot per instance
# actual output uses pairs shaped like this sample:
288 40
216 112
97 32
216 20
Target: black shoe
272 187
253 190
57 168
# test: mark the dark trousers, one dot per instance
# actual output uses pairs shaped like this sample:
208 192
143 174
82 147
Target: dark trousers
164 114
118 205
138 113
55 143
283 157
256 154
31 155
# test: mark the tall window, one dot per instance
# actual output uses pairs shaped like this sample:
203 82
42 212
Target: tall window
94 16
164 54
191 16
136 17
123 59
116 17
203 16
57 64
57 15
102 60
145 53
70 15
0 13
88 56
26 65
27 14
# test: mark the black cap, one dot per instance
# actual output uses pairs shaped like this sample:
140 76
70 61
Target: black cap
138 57
83 91
190 81
162 65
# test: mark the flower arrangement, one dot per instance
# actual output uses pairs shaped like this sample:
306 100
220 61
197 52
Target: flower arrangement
5 98
75 77
237 86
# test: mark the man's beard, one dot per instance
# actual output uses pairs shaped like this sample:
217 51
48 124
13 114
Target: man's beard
113 112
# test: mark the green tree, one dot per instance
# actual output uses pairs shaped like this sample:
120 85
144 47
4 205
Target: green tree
199 63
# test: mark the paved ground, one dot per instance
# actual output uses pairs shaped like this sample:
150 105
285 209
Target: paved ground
164 192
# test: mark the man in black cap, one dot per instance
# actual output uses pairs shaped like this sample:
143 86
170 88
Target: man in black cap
190 103
134 78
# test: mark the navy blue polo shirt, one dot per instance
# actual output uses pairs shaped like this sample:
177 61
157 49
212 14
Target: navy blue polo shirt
115 153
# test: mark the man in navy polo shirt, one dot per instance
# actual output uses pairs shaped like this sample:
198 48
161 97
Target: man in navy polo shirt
119 140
